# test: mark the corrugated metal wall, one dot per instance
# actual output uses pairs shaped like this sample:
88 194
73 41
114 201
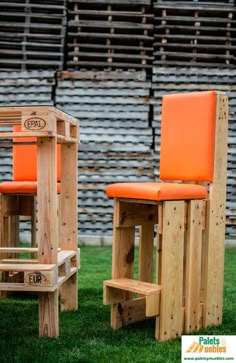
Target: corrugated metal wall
108 63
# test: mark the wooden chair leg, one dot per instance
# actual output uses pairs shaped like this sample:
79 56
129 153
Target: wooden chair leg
159 259
193 266
122 258
214 269
67 217
48 301
171 316
48 314
69 294
215 228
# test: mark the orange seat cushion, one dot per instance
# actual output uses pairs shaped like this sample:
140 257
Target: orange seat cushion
187 136
156 191
22 187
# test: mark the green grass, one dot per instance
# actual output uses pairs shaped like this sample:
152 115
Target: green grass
85 335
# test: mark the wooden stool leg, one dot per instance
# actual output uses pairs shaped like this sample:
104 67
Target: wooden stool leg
214 269
215 228
68 221
69 294
146 242
47 235
159 259
122 259
171 316
48 314
193 266
9 230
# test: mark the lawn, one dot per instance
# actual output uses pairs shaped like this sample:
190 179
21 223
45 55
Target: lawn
85 335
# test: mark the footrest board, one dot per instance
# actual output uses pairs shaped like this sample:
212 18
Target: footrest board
139 287
114 291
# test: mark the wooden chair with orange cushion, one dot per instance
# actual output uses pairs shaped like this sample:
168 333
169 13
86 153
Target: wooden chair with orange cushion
189 208
18 196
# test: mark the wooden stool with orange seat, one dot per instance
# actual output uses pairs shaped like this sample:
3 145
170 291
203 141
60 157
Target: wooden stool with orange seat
53 270
187 293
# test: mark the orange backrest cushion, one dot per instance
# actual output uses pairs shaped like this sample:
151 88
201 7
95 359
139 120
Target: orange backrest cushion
25 159
187 136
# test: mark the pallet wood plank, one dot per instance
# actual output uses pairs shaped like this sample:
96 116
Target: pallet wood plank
112 295
48 314
123 247
122 255
172 270
193 266
214 273
146 251
129 312
47 235
140 287
68 223
133 214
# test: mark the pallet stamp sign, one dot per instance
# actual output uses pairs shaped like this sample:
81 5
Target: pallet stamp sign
34 124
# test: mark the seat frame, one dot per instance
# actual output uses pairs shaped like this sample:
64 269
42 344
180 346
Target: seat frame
187 292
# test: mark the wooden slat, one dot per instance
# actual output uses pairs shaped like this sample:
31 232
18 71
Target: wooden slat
172 270
111 13
213 56
139 287
11 286
134 214
128 312
110 64
62 281
193 266
200 7
47 200
47 235
215 238
48 314
110 24
26 267
63 256
19 260
69 220
123 248
20 249
122 254
153 305
112 295
146 252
